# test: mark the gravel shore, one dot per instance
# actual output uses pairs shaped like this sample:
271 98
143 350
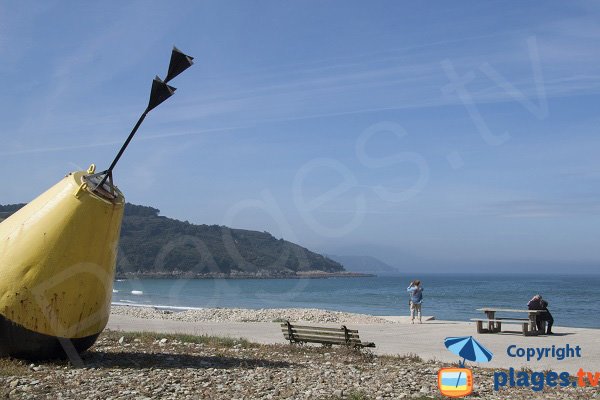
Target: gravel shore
249 315
151 366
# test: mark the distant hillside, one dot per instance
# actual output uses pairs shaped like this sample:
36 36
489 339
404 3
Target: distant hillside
8 209
365 265
157 246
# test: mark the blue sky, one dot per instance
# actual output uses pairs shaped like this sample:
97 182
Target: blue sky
436 136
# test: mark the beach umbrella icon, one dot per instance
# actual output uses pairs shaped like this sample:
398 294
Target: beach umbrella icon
468 348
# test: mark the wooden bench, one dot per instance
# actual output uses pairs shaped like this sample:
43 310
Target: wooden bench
325 336
496 324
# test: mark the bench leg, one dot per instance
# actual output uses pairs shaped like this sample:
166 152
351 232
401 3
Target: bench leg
480 327
525 328
533 325
498 327
533 329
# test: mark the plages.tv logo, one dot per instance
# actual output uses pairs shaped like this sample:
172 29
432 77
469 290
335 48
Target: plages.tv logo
455 382
458 382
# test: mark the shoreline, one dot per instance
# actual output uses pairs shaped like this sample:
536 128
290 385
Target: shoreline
300 275
208 314
390 317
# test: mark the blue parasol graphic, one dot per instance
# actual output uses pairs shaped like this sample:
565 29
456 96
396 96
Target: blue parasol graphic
469 349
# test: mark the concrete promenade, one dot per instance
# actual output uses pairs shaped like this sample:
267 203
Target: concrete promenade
400 338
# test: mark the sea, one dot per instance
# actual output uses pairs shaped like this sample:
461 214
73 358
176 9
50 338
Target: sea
574 300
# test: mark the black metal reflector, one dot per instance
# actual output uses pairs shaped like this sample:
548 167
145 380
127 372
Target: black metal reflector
159 93
179 63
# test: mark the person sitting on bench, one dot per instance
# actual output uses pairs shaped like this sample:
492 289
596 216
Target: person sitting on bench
537 303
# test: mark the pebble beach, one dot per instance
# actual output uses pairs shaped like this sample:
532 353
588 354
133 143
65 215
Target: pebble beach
146 366
311 315
159 365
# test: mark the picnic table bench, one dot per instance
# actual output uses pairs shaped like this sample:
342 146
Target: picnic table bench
494 324
325 336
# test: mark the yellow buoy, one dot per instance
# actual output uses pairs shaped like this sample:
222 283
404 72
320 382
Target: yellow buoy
58 255
57 264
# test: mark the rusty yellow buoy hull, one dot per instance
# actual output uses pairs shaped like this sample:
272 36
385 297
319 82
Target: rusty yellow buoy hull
57 265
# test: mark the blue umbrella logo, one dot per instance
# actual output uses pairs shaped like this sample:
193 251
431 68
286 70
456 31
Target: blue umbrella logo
469 349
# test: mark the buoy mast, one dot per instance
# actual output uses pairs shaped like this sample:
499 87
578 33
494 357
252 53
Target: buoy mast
160 92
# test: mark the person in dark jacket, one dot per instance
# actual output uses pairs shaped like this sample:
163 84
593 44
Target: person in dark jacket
537 303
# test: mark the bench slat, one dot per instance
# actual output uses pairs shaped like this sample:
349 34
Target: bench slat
339 338
327 342
328 335
309 332
318 328
509 321
338 330
510 310
512 319
320 339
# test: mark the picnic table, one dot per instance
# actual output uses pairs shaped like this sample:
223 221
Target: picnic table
494 323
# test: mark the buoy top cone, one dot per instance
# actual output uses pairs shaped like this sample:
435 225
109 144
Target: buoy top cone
57 263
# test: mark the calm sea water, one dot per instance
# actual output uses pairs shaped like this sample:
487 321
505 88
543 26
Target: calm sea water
574 300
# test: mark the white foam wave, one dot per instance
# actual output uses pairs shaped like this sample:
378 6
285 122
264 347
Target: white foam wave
129 303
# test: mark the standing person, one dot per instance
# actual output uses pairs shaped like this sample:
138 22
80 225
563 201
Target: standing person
537 303
415 290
